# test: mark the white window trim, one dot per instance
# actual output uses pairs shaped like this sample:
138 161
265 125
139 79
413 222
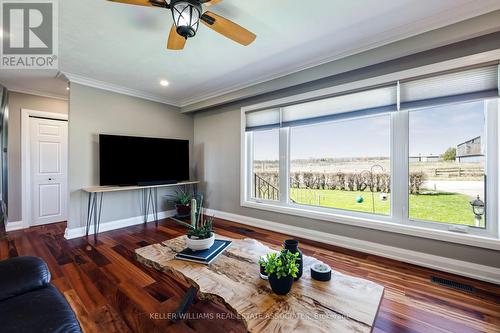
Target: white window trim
491 229
398 222
377 224
284 151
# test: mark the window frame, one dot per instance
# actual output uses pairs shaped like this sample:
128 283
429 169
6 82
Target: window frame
491 130
398 221
339 211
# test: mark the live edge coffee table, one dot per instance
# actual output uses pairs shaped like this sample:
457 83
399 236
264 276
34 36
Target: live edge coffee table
344 304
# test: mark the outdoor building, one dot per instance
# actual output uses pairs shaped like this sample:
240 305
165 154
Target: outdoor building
470 151
426 158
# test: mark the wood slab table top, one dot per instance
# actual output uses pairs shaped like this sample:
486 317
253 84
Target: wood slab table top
344 304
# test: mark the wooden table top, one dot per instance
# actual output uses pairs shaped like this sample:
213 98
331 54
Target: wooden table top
344 304
102 189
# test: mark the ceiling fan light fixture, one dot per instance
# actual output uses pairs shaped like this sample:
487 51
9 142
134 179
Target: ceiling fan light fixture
186 14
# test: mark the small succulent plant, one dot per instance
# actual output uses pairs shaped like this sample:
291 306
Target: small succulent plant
203 230
182 198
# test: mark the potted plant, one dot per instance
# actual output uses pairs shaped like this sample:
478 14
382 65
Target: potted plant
201 237
182 202
281 269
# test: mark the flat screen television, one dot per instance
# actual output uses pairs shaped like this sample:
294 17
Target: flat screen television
129 160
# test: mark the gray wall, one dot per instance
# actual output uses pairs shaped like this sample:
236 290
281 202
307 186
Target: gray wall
18 101
94 111
217 140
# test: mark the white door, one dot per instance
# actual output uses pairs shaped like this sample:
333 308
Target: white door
48 170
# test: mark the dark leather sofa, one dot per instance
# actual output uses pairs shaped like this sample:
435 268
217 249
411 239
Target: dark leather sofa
29 303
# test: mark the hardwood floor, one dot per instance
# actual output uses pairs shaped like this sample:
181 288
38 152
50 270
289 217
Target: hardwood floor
111 292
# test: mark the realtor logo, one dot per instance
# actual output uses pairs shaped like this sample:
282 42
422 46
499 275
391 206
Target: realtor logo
29 34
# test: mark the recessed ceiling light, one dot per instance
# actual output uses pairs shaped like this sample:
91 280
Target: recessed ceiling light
67 88
164 83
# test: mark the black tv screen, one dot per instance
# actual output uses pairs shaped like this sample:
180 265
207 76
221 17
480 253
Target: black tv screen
129 160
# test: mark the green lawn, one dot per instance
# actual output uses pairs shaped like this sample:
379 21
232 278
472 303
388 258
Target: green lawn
442 207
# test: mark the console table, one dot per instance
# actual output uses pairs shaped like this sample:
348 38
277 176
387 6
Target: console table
149 199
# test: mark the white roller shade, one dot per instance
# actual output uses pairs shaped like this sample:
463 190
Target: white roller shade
462 85
470 84
262 119
364 102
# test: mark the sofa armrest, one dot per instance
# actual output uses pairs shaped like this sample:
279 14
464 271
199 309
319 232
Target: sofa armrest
22 274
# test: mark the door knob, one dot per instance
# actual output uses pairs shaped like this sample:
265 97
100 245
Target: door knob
50 178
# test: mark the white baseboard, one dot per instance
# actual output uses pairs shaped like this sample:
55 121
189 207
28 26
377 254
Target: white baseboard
12 226
463 268
71 233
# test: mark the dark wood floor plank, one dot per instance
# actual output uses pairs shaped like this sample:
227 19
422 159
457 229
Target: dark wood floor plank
85 288
121 268
159 291
86 321
110 321
40 249
111 292
11 246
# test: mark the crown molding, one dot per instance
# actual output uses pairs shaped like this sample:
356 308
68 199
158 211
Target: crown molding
89 82
40 93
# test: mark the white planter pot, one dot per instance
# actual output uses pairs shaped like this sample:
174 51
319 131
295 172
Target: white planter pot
200 244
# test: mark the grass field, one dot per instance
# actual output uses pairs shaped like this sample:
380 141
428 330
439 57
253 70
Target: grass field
451 208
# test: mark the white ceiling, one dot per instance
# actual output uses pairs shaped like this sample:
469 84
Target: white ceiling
123 47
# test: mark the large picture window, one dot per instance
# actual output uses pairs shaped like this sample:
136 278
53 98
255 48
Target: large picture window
447 163
418 153
342 164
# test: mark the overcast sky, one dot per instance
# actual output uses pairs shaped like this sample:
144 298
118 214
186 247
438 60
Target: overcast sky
432 131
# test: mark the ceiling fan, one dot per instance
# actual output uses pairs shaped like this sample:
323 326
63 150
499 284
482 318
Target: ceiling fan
187 14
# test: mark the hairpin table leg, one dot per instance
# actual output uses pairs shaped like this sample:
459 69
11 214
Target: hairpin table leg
144 205
150 197
90 207
97 203
156 205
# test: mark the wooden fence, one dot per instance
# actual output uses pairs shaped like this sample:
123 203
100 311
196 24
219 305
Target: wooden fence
458 172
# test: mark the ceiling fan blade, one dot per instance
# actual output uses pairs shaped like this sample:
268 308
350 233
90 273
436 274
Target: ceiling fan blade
228 28
212 2
175 41
148 3
134 2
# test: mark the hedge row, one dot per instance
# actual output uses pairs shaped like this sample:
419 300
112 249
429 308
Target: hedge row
346 181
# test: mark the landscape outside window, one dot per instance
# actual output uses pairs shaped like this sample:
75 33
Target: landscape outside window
447 160
346 164
342 164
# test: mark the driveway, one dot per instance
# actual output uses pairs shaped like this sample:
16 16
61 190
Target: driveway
471 188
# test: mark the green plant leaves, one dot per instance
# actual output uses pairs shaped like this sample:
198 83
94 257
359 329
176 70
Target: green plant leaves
182 198
202 231
283 264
